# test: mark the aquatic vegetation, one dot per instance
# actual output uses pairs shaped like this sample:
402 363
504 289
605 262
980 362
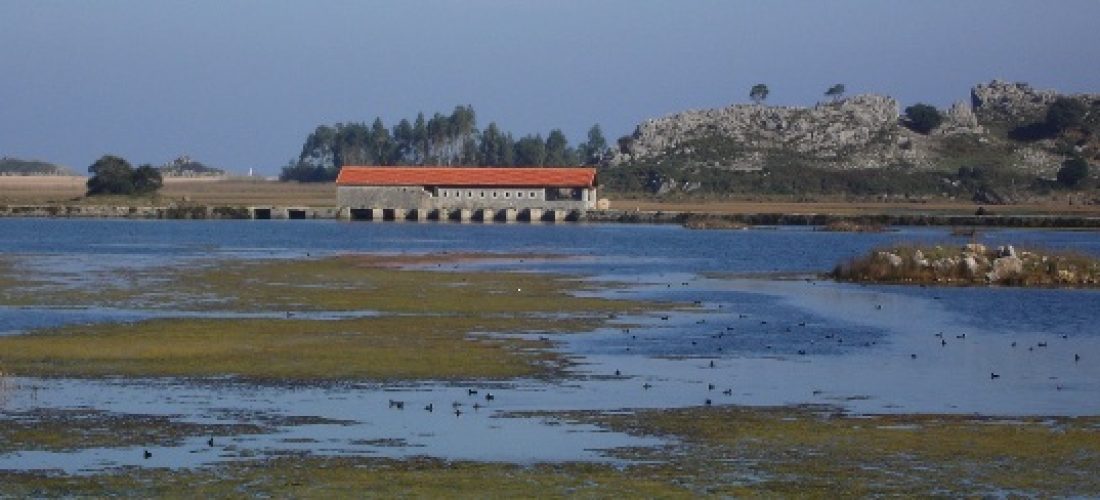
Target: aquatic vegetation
971 264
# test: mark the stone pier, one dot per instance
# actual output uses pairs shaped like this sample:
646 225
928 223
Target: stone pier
534 215
511 215
465 215
488 215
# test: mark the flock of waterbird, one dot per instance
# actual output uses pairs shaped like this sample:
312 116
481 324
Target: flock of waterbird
457 406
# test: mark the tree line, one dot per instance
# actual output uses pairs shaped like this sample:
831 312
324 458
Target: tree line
439 140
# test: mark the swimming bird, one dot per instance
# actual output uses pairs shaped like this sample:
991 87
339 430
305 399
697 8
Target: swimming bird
489 396
471 392
993 375
646 386
940 335
618 373
710 387
477 406
458 413
712 363
728 392
707 402
961 336
430 407
912 356
801 352
943 342
400 405
1076 358
664 318
147 454
878 307
1041 344
1013 344
210 442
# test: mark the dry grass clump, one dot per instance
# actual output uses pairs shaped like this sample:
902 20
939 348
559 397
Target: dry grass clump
847 226
971 264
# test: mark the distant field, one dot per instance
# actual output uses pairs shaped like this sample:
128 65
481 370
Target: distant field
54 190
70 190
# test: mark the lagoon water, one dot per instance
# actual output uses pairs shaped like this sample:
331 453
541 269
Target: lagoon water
768 330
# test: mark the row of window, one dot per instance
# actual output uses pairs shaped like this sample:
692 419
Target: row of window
481 194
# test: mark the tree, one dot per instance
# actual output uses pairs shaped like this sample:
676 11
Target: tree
1073 171
759 93
922 118
836 92
592 151
530 151
110 175
114 175
557 146
1064 113
147 179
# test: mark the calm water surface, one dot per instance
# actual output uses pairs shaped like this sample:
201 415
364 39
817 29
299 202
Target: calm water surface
788 339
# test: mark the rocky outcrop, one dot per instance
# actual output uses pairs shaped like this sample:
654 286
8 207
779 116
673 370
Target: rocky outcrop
860 132
1012 103
828 132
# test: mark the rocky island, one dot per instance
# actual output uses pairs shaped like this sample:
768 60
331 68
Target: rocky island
971 264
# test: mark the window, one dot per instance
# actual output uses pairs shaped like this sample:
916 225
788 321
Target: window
507 194
483 194
532 194
494 194
519 194
469 194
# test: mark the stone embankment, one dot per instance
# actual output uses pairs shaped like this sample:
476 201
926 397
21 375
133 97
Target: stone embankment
697 220
971 264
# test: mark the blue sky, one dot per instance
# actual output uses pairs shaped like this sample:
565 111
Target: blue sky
239 84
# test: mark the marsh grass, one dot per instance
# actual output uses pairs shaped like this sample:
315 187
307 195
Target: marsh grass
73 429
313 477
718 451
346 283
433 324
818 452
381 348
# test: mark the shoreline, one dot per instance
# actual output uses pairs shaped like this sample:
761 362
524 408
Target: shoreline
719 219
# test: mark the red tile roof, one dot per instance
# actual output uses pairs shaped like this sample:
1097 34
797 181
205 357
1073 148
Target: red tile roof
467 176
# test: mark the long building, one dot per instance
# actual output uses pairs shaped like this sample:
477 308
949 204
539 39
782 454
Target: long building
462 192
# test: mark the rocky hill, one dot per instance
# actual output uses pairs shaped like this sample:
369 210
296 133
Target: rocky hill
1001 127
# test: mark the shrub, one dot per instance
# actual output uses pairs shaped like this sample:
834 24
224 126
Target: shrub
922 118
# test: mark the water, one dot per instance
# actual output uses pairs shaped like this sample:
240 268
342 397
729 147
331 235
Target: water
767 332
